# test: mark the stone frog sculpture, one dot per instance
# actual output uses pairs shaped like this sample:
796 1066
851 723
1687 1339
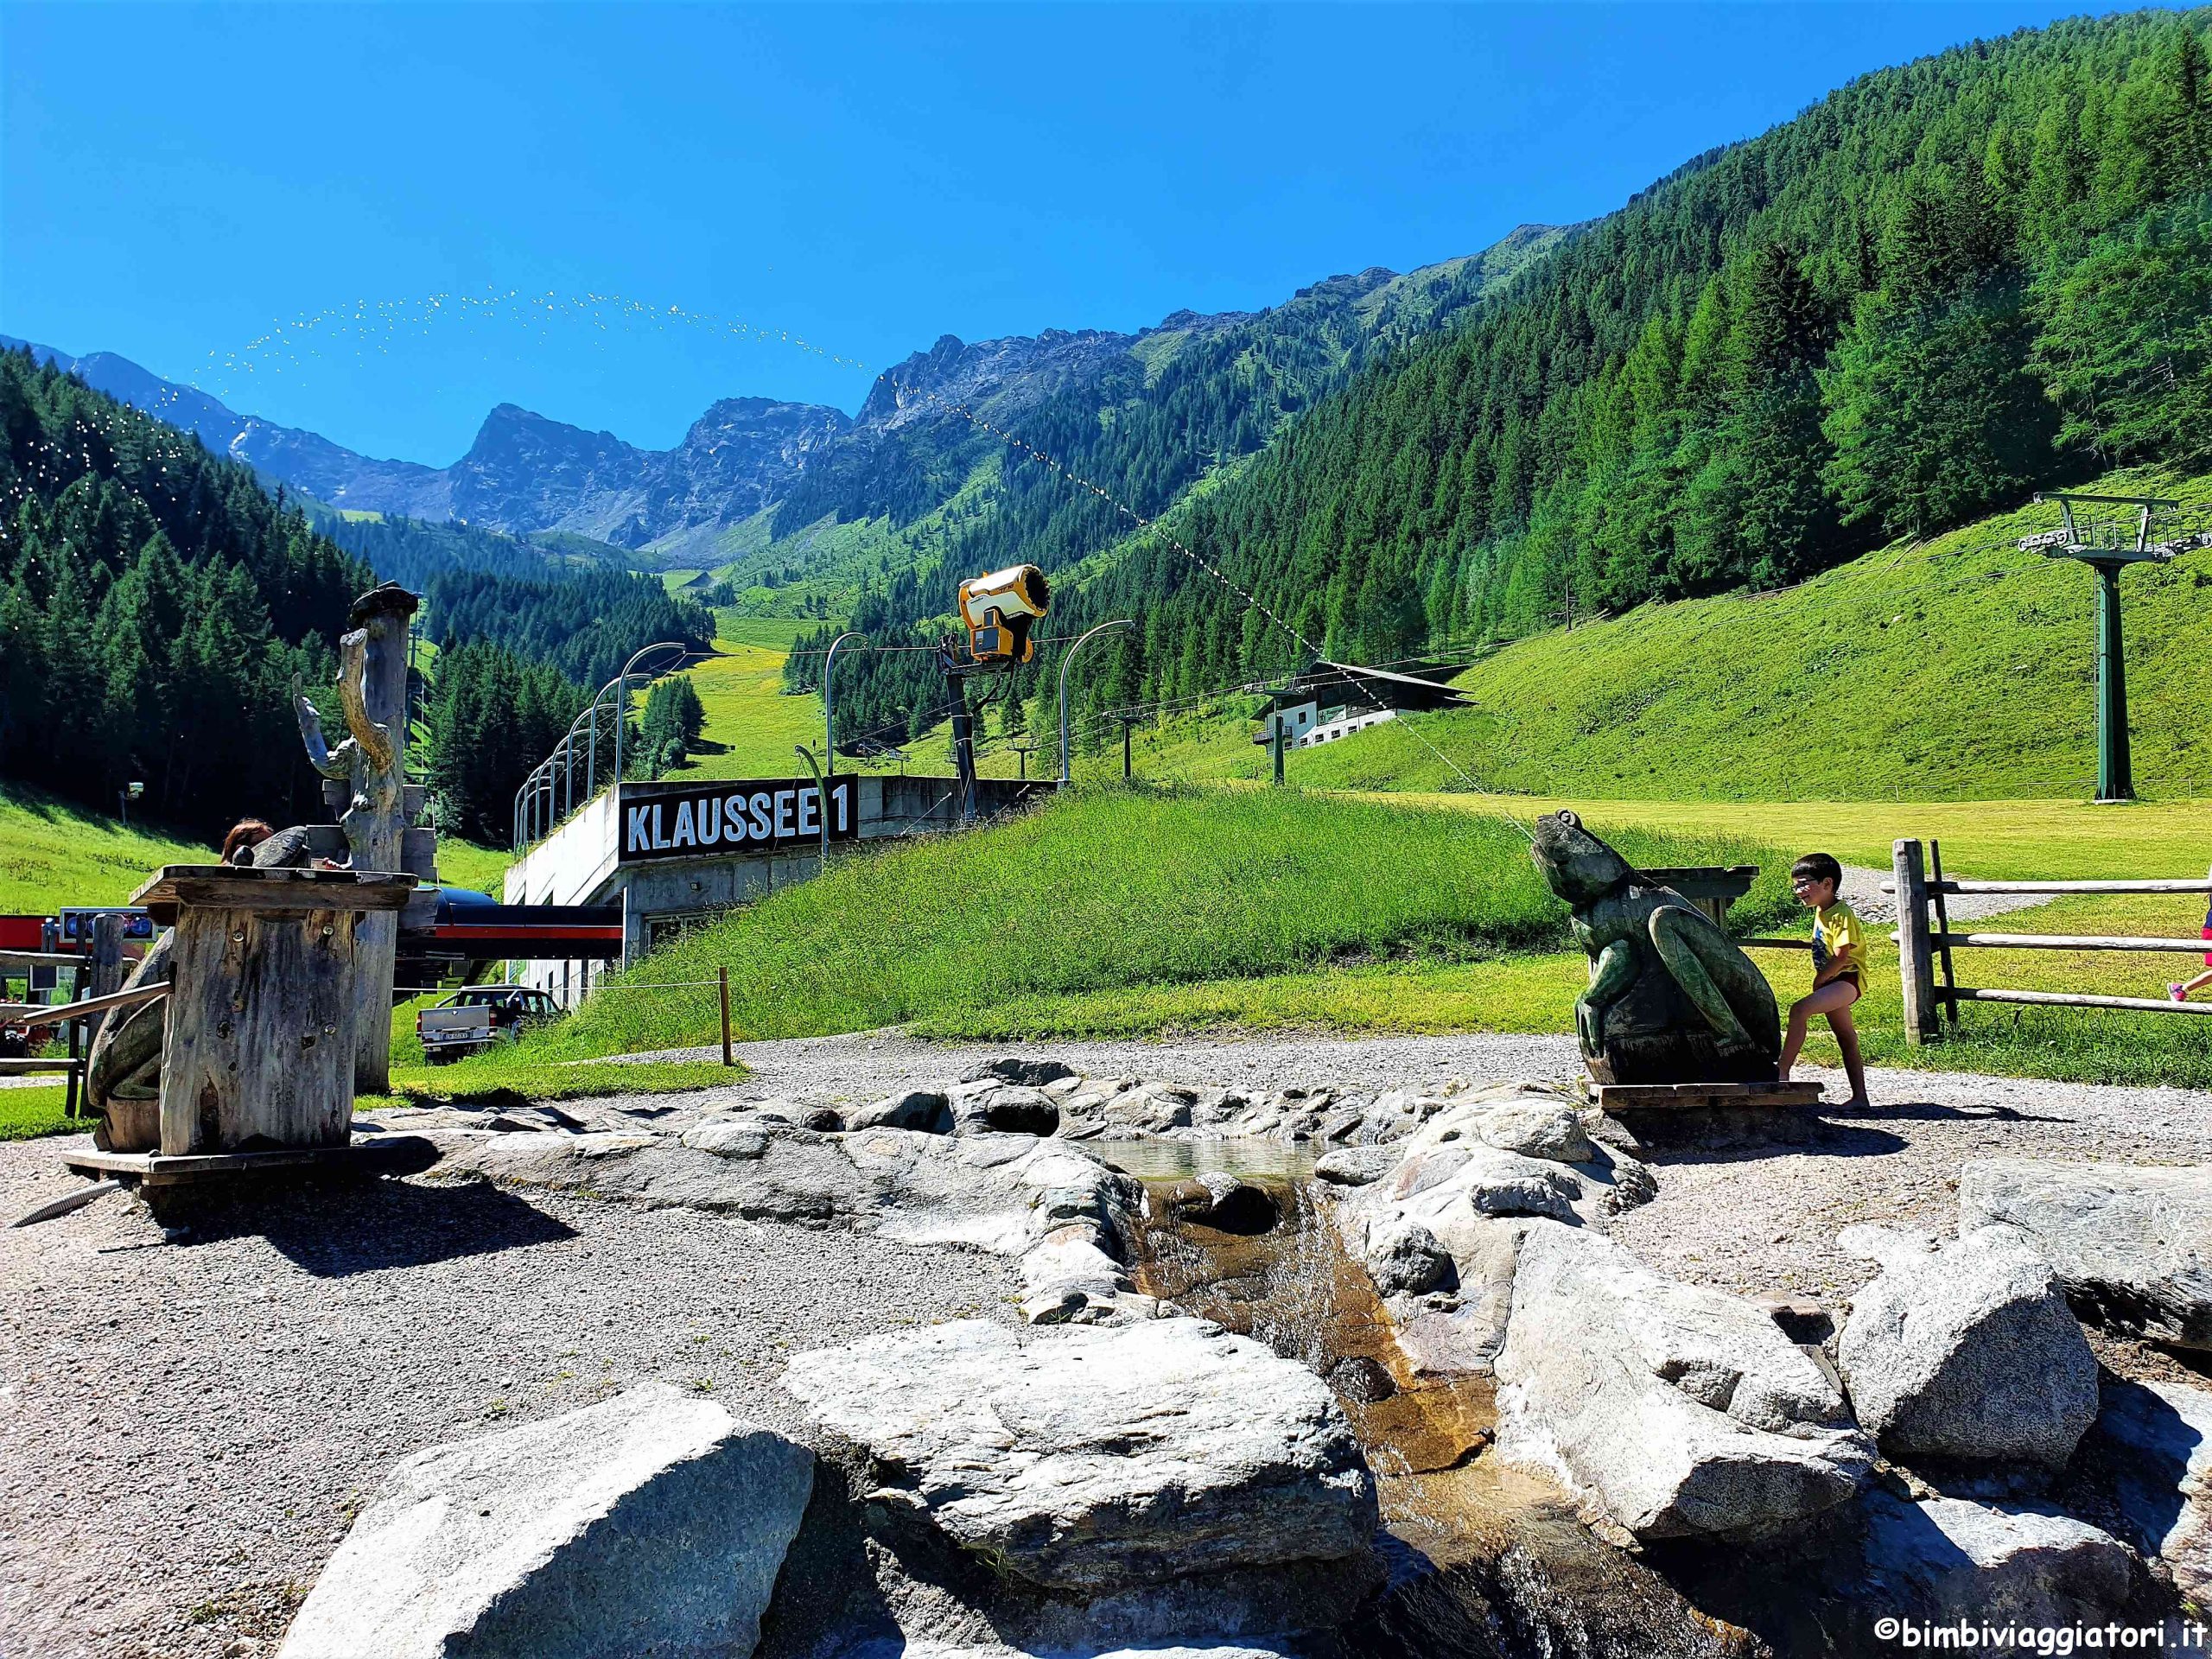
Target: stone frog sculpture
1671 998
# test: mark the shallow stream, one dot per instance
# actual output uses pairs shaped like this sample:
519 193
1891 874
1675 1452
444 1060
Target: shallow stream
1484 1559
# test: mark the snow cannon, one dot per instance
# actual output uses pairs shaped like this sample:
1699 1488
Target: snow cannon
1000 610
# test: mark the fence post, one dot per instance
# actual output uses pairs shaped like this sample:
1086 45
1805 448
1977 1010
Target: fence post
1915 967
722 981
108 973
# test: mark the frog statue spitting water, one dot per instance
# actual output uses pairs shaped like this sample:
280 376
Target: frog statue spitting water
1671 999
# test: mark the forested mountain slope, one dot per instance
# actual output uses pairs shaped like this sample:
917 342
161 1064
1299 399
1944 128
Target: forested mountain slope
1943 286
155 604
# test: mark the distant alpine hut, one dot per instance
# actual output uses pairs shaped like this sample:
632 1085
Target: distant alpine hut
1333 700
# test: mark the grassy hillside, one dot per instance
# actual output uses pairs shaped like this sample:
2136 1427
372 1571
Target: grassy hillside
1110 889
54 854
1954 669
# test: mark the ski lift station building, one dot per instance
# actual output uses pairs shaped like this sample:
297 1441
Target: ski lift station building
676 855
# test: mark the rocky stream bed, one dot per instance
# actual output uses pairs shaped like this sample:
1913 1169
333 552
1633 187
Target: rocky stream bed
1047 1361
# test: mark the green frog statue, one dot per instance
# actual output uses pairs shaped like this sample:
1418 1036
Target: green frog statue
1671 998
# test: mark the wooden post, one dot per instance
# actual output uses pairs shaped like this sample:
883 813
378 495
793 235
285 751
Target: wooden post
721 979
1915 966
107 968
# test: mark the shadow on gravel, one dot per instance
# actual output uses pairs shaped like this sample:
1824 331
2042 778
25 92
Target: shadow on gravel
1929 1111
1720 1137
335 1230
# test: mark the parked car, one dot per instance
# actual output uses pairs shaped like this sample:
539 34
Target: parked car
472 1020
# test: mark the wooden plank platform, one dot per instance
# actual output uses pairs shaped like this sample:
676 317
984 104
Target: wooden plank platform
1678 1096
158 1169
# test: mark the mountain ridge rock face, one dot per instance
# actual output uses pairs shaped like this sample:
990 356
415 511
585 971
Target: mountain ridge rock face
526 473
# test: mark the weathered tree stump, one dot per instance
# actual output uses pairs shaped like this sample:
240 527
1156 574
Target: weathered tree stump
259 1047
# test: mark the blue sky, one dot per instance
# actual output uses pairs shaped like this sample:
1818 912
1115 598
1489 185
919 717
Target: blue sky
177 182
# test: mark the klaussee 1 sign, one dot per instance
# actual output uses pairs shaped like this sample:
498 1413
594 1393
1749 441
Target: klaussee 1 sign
755 815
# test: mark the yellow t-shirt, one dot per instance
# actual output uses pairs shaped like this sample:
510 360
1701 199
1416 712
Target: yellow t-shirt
1836 930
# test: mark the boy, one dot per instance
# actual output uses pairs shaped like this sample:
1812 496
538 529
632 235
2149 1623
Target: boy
1839 966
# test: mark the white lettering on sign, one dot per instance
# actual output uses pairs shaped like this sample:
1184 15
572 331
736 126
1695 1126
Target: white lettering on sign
700 823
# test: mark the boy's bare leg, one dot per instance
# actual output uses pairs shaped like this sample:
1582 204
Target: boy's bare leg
1846 1039
1836 997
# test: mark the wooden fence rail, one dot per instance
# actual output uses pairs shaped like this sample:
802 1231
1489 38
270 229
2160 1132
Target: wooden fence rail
1925 939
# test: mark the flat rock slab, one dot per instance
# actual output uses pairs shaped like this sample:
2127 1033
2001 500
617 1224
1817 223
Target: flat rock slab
1094 1459
652 1523
2131 1244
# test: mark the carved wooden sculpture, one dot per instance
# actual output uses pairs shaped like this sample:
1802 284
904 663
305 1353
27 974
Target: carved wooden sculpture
1671 997
371 766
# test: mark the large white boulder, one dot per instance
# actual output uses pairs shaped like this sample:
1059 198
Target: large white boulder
1679 1410
1949 1558
2132 1245
1966 1353
1093 1458
654 1522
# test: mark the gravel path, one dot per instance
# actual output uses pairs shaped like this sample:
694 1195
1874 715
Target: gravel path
186 1429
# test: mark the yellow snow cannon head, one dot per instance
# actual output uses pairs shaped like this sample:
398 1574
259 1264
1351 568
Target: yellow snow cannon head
1001 609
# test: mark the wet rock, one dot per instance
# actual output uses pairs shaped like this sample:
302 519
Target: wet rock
1966 1353
1949 1558
1068 1272
822 1120
2146 1467
926 1109
1444 1332
654 1521
1405 1259
1093 1459
2132 1246
1006 1109
1224 1202
1031 1074
1356 1165
1682 1411
1361 1378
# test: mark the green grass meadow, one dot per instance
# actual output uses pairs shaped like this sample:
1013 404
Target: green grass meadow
1114 892
54 854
